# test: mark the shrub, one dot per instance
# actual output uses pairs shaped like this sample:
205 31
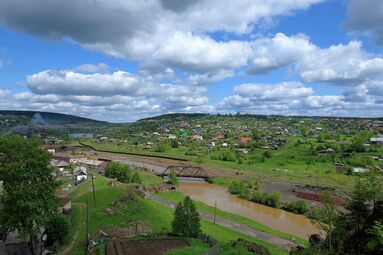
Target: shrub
267 154
298 206
174 144
161 148
136 178
273 199
226 155
236 187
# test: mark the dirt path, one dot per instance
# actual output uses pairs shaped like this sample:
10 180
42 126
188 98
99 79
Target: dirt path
275 240
71 245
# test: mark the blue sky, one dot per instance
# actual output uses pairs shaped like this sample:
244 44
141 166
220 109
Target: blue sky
120 61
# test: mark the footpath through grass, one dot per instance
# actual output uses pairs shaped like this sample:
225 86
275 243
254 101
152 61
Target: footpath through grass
152 214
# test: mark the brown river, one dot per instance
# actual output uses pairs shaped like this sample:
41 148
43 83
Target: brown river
274 218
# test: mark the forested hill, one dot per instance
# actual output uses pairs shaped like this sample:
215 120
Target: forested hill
50 117
175 116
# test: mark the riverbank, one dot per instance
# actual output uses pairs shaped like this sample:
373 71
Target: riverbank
173 197
275 240
268 219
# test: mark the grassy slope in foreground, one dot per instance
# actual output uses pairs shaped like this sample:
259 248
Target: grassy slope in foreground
177 196
155 215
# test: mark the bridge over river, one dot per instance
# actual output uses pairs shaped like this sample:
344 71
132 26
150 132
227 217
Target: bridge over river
186 171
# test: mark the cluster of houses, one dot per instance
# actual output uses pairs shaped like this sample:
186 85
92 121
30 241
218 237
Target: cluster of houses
266 132
76 168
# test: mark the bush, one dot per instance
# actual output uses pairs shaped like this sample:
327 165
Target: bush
57 228
236 187
273 199
243 189
136 178
298 206
174 144
160 148
224 155
267 154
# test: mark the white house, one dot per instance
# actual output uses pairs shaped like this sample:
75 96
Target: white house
80 173
360 170
376 140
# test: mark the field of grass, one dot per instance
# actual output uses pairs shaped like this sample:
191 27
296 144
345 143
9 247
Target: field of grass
154 215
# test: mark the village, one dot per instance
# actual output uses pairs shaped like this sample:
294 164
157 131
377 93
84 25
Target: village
282 163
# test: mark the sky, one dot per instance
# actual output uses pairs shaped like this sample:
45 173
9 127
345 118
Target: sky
120 61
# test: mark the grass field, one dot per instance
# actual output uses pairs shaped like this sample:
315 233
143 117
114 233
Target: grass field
154 215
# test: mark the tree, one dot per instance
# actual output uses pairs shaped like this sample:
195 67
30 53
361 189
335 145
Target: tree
359 229
186 221
376 241
174 143
29 187
173 177
326 216
136 178
57 228
119 171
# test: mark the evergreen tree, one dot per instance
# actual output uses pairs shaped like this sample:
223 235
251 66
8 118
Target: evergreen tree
186 220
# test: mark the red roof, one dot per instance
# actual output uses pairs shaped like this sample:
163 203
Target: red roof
221 136
245 139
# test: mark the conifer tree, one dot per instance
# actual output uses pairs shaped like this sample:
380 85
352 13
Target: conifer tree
186 220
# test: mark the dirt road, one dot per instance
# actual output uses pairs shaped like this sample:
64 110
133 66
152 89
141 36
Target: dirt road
71 245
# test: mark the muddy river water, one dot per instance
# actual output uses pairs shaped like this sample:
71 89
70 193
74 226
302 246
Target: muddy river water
275 218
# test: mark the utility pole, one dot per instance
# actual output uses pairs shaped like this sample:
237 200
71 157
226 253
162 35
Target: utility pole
215 210
87 224
94 193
